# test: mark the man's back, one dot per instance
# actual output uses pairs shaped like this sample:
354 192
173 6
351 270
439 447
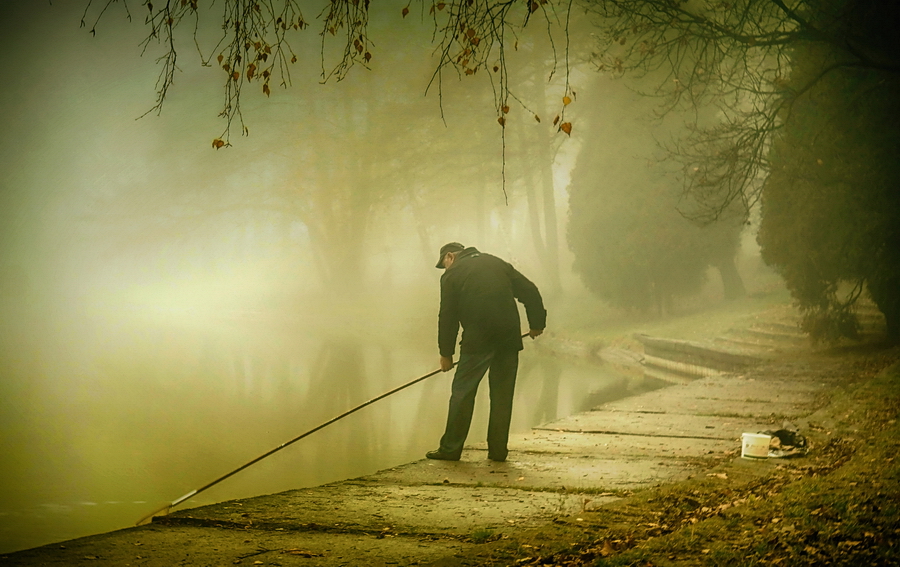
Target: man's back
480 291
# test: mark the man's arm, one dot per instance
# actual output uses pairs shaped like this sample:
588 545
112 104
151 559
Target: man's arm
528 295
448 323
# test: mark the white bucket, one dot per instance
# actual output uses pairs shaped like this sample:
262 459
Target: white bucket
755 445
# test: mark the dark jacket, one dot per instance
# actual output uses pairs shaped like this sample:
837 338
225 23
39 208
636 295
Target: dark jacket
479 292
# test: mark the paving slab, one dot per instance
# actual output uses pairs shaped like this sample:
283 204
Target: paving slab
735 388
614 445
761 382
712 406
545 471
660 425
378 506
165 546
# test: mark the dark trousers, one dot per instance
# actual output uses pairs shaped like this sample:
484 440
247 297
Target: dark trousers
503 366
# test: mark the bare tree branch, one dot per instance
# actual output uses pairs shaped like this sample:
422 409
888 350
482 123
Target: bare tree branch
254 46
733 57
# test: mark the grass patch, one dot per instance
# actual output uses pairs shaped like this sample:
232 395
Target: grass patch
482 535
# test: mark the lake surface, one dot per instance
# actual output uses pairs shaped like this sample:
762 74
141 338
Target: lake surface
105 419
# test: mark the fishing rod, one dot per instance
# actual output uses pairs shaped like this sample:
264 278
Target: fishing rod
167 507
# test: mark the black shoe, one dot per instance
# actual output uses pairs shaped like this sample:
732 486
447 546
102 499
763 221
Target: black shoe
497 458
438 455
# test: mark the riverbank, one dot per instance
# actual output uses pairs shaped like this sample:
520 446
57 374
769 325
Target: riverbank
835 506
655 479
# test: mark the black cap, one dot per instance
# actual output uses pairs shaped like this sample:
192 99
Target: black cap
449 247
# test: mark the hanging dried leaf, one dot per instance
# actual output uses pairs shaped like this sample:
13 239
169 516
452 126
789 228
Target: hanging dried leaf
536 117
502 121
217 143
566 127
555 120
405 11
505 109
567 101
266 89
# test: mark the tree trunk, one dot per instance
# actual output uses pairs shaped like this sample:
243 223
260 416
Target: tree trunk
551 227
731 278
885 295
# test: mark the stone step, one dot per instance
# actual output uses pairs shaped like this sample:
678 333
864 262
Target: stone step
698 354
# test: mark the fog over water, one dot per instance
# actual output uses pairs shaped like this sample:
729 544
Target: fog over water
170 311
107 419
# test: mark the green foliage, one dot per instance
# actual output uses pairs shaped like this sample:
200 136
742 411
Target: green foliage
482 535
831 204
633 247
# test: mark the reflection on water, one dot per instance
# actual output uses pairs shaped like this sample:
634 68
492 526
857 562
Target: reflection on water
103 422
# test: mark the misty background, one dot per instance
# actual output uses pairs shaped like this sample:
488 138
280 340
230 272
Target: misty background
170 311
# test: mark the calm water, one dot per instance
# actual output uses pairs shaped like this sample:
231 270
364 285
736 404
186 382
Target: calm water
105 419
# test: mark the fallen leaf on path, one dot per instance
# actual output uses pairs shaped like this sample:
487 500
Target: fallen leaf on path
607 549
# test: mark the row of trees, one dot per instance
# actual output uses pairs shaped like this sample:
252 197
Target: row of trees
632 246
831 202
804 100
768 97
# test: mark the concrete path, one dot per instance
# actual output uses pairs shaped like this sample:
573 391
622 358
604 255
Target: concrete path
426 510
